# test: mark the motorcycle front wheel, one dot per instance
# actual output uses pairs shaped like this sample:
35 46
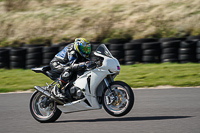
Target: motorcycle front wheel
43 112
120 101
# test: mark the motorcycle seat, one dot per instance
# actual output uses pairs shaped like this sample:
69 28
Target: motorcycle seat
47 71
41 69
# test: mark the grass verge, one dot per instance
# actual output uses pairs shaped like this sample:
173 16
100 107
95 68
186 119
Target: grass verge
151 75
139 75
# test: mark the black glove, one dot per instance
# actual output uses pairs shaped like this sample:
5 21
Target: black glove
78 67
90 65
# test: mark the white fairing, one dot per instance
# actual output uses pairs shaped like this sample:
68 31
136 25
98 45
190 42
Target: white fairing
90 81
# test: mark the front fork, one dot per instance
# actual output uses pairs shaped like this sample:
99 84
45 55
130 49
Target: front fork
110 98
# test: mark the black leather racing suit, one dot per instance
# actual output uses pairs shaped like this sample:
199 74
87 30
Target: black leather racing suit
67 57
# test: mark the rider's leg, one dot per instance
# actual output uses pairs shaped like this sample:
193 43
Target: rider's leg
65 77
59 89
57 68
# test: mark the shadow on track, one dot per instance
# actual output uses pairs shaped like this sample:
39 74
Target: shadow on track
148 118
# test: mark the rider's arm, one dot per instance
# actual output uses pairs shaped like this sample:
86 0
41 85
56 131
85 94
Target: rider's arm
72 57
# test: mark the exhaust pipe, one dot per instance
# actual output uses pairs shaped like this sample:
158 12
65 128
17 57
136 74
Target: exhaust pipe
47 94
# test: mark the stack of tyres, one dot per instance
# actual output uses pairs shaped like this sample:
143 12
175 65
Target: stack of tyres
196 38
117 50
4 58
17 58
187 51
33 57
170 51
151 52
133 50
49 53
133 53
198 51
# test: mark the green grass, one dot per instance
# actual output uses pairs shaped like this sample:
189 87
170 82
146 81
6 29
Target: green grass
18 79
151 75
140 75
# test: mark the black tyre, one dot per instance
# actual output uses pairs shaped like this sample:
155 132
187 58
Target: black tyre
34 49
4 52
117 53
145 40
34 56
171 39
124 99
116 47
198 50
151 52
40 113
170 50
2 65
17 65
188 44
133 52
198 56
150 59
33 61
169 56
133 58
186 51
4 59
48 55
175 60
132 46
17 51
171 44
31 66
187 57
152 45
17 58
198 44
193 38
50 49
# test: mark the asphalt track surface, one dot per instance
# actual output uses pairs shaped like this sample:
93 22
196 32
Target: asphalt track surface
174 110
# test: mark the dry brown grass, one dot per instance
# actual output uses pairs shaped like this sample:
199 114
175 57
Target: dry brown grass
98 19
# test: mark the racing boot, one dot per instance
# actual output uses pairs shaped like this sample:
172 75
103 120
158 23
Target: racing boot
57 90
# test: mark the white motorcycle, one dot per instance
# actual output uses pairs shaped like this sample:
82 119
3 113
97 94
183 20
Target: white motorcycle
91 90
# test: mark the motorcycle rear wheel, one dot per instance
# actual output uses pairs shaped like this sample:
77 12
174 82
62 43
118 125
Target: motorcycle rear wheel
123 99
40 113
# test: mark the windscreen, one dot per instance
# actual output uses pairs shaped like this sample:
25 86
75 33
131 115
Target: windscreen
103 50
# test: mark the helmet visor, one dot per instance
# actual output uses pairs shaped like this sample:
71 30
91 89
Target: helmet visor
85 49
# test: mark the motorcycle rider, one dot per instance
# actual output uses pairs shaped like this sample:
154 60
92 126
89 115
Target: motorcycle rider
73 58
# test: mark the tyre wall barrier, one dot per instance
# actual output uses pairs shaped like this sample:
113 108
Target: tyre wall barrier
33 57
49 53
180 50
4 58
17 58
198 52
